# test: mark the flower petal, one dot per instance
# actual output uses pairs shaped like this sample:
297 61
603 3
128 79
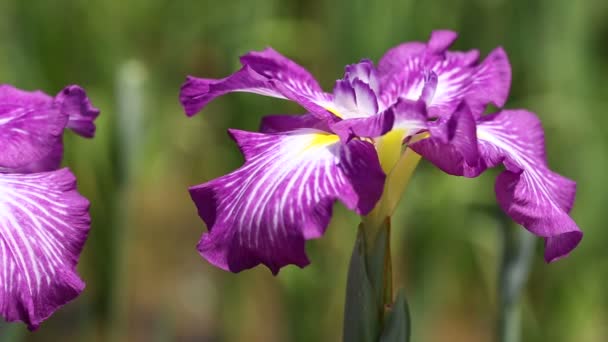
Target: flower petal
533 195
287 122
365 72
73 101
44 223
452 145
441 40
478 85
405 115
267 73
282 196
31 129
404 73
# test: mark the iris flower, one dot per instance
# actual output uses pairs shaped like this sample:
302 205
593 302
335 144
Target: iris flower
44 222
420 96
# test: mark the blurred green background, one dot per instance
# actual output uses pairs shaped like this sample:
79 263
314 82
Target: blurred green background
145 280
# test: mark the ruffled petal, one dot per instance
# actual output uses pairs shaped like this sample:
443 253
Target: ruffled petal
363 71
452 145
31 129
478 85
267 73
44 223
73 101
533 195
404 72
282 196
528 191
356 94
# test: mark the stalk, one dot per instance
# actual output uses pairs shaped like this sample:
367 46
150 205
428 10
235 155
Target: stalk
518 249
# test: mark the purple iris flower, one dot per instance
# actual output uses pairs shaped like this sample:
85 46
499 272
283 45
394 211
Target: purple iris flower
298 166
44 222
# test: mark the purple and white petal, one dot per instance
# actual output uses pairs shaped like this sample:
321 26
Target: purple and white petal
289 122
31 129
265 72
355 95
533 195
282 196
404 72
73 101
452 145
365 71
44 223
409 116
478 85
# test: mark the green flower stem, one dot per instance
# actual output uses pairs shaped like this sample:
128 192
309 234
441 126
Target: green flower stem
369 286
370 314
518 249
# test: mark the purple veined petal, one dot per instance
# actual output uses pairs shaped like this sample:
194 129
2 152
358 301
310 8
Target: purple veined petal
409 116
73 101
288 122
396 59
488 82
44 223
266 73
355 95
452 145
533 195
345 99
429 88
403 72
365 72
282 196
31 129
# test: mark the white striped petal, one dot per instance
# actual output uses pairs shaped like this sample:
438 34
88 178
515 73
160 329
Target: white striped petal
44 223
282 196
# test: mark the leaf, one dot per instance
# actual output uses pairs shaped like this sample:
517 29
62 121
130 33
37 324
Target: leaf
397 325
361 318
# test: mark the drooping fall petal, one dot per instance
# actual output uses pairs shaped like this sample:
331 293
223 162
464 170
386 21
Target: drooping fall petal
283 195
44 223
528 191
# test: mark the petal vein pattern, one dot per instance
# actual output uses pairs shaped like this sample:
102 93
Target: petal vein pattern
282 196
44 223
536 197
404 74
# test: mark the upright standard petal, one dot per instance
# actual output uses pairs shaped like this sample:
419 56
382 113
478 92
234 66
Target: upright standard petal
31 128
73 102
267 73
283 195
405 71
44 223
